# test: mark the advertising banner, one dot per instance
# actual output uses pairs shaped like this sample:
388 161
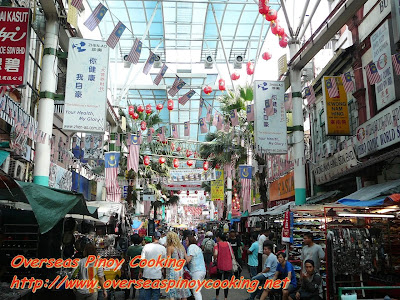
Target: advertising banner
60 178
14 45
287 230
86 87
270 118
282 188
93 147
279 165
382 56
336 109
381 131
192 175
332 166
217 186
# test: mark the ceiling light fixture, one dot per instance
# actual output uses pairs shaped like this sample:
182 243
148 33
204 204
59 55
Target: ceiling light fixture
365 215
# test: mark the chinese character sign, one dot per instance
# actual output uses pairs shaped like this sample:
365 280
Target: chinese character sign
86 87
217 186
270 117
14 41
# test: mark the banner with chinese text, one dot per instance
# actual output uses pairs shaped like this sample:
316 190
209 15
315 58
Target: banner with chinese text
217 186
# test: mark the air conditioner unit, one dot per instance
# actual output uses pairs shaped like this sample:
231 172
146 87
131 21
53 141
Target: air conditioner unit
17 169
237 64
6 165
157 62
329 147
208 64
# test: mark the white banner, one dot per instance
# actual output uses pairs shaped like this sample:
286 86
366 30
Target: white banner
192 175
382 56
86 87
60 178
270 120
93 147
379 132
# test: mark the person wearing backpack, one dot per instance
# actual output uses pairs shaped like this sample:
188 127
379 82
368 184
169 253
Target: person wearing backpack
208 249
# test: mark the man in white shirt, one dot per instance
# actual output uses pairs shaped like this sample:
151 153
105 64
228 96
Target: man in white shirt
163 240
261 239
152 251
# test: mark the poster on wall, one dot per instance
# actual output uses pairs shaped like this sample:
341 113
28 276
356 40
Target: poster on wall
217 186
336 108
86 86
14 47
382 56
270 119
60 178
93 147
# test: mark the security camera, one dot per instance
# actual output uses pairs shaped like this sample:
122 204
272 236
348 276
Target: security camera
208 64
237 64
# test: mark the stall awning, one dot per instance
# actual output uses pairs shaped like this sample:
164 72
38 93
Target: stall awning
280 209
257 212
373 195
319 198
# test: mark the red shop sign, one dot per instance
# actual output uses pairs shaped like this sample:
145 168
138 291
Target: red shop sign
14 45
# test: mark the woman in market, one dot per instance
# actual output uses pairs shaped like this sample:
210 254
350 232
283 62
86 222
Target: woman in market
89 273
223 257
176 250
196 263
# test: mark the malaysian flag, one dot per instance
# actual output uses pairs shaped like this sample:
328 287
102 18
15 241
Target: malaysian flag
161 134
215 119
76 3
234 117
139 136
396 63
160 74
149 135
111 163
209 112
135 52
133 157
149 63
245 180
175 133
96 17
347 82
201 105
372 73
118 140
128 139
185 98
187 128
310 94
178 84
220 122
203 126
116 35
250 112
332 88
269 107
288 102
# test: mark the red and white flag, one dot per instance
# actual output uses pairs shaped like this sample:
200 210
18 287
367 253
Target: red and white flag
215 120
161 134
160 74
310 94
209 112
201 107
234 117
245 180
76 3
118 140
332 88
185 98
203 126
372 73
134 54
187 128
288 102
149 135
96 17
149 63
128 139
133 158
220 122
250 112
396 63
347 81
178 84
115 35
175 133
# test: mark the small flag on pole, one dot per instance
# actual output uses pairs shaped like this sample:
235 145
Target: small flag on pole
116 35
310 94
77 3
215 119
396 63
245 180
220 122
161 134
96 17
332 88
178 84
372 73
149 63
175 133
118 140
203 126
160 74
250 112
149 135
201 106
288 102
133 158
185 98
135 52
234 117
187 128
209 112
347 81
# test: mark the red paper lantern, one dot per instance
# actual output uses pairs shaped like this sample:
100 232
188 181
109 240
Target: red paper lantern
207 90
187 193
217 166
178 149
140 109
161 160
283 41
148 109
159 106
146 160
205 165
281 31
135 116
143 125
274 27
271 15
176 163
170 104
190 163
189 153
196 192
266 55
172 146
250 68
131 110
235 76
205 193
263 7
221 85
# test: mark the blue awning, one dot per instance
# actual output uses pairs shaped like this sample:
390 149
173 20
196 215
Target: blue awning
362 203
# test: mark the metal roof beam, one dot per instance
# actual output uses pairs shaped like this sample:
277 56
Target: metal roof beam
207 1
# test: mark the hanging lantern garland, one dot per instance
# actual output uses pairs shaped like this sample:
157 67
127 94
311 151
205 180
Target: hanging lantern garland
135 116
205 166
170 104
176 163
266 56
221 85
143 125
235 76
146 160
189 163
207 90
161 160
148 109
250 68
140 109
159 107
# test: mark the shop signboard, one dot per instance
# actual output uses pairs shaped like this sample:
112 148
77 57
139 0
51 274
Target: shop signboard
336 109
330 167
287 230
86 86
14 45
93 147
270 119
217 186
283 188
373 17
396 19
379 132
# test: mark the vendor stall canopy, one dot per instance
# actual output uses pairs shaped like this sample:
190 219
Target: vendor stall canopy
183 34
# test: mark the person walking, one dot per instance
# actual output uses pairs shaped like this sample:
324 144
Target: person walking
223 257
196 263
208 249
176 250
134 250
253 255
261 239
236 245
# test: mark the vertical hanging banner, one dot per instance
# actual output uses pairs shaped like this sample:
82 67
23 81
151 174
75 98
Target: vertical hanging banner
86 87
217 186
93 147
336 109
14 45
381 55
270 117
287 230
